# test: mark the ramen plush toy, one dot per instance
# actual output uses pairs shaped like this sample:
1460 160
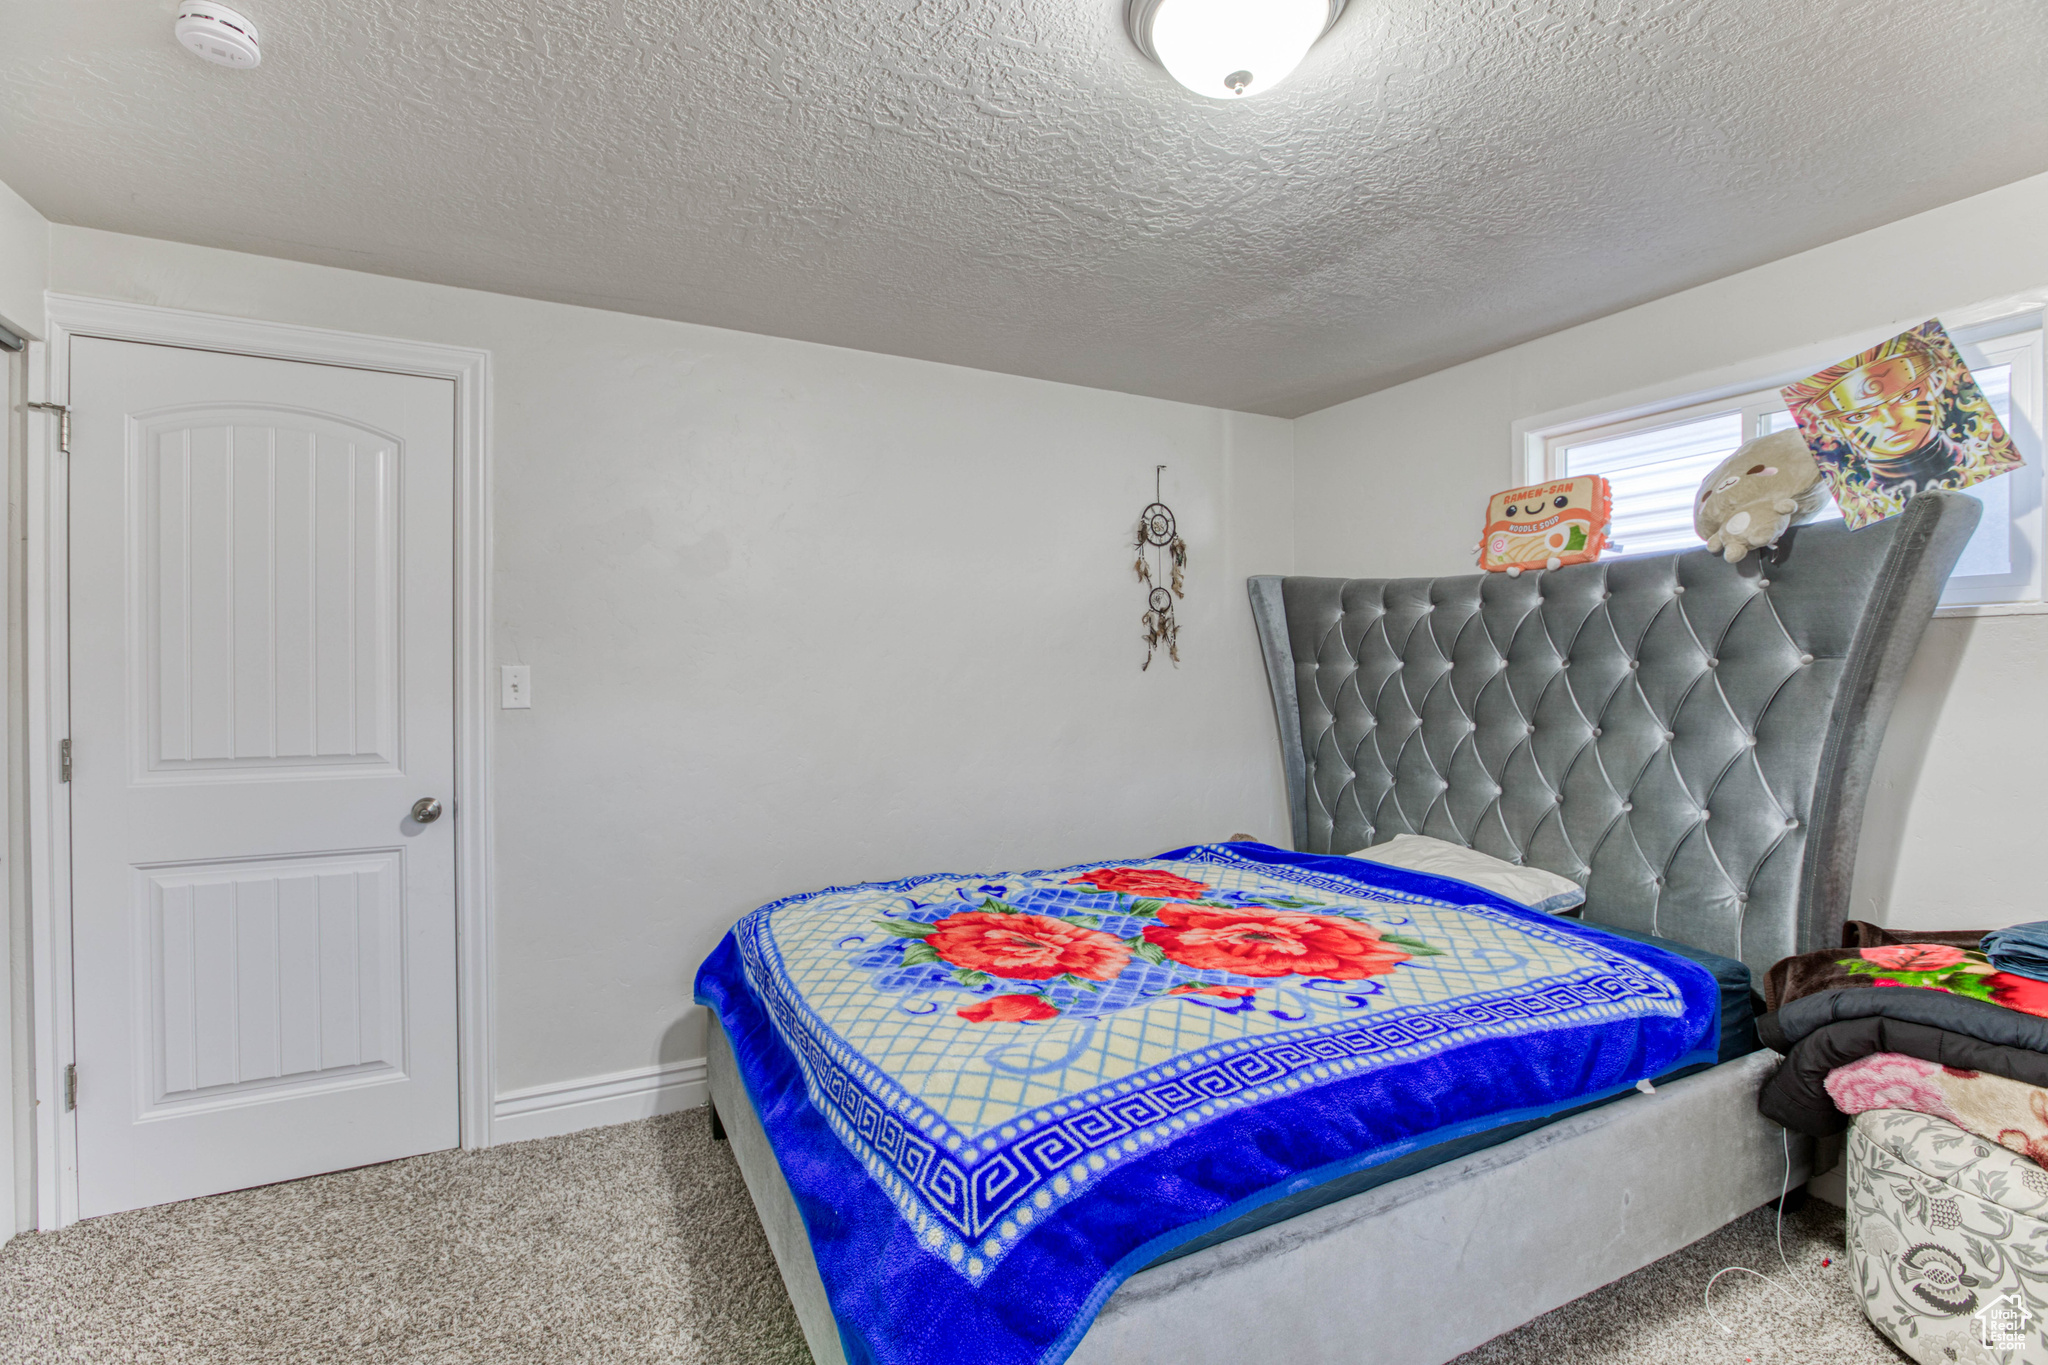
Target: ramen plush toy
1546 526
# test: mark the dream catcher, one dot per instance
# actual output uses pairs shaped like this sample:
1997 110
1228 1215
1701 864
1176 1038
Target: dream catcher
1166 580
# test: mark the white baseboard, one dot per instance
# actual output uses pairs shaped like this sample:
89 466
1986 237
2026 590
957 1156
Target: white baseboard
1830 1181
595 1101
1831 1187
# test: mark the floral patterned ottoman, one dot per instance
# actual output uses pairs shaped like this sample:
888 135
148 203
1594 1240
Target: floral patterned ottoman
1948 1237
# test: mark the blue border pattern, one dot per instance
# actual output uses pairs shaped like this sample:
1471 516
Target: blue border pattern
971 1204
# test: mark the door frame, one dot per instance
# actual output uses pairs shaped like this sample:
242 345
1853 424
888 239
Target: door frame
47 633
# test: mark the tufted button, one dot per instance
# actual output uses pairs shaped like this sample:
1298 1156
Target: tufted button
1528 729
1558 797
1749 740
1705 816
1633 665
1680 590
1806 658
1627 806
1742 897
1605 595
1791 823
1596 732
1713 663
1763 582
1658 880
1670 735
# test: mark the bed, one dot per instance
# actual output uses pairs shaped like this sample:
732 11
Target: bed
1689 740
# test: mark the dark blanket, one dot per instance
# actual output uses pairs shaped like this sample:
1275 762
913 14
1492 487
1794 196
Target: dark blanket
1825 1014
1834 1028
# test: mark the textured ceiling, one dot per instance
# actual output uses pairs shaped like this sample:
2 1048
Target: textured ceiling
1008 184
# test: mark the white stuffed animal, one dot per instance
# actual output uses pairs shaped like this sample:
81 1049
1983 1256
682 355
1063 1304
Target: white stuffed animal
1756 493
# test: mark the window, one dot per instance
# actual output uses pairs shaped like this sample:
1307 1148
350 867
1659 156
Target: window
1655 461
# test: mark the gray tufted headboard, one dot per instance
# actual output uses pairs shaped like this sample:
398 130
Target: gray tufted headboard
1689 739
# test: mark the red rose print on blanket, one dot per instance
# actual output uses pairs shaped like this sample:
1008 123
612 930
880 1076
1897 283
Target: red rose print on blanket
1252 942
1026 947
1221 992
1010 1009
2021 993
1889 1080
1137 881
1931 967
1913 957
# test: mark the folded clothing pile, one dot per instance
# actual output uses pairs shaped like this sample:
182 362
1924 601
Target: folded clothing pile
2021 950
1951 1024
1927 1039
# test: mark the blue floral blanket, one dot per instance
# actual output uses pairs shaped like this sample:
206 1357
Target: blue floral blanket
995 1097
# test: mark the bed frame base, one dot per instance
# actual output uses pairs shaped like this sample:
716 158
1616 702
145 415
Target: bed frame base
1418 1271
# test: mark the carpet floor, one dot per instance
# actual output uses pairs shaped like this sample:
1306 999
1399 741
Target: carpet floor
638 1243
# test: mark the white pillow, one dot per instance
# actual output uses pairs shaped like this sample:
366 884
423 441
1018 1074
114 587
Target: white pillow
1530 886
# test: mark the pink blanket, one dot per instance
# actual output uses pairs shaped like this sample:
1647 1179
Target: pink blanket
2010 1113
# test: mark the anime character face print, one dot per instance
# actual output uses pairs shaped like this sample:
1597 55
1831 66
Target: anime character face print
1903 417
1891 409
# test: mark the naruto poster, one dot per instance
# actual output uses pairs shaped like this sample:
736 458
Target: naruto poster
1901 418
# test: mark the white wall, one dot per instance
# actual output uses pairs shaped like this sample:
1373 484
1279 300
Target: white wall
24 264
24 271
1395 483
800 615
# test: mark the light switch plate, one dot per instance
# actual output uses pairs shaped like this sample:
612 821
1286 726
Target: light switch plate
515 687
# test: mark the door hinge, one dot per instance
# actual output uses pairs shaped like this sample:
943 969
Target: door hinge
63 422
71 1086
63 760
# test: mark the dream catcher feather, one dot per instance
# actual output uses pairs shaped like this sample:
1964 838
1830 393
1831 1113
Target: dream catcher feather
1162 566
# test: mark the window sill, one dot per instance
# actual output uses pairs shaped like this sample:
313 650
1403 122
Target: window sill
1994 609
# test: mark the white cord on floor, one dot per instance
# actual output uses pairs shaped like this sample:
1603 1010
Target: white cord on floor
1784 1190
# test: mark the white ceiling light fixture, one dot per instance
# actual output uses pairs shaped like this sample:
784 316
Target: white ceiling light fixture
1229 49
218 34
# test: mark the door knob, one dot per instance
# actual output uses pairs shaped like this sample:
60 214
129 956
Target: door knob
426 810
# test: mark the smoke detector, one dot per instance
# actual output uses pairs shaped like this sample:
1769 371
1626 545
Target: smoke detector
218 34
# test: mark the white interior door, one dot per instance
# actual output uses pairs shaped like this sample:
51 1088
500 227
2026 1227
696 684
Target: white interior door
262 685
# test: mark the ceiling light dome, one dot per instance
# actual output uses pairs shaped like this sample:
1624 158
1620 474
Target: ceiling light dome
1228 49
